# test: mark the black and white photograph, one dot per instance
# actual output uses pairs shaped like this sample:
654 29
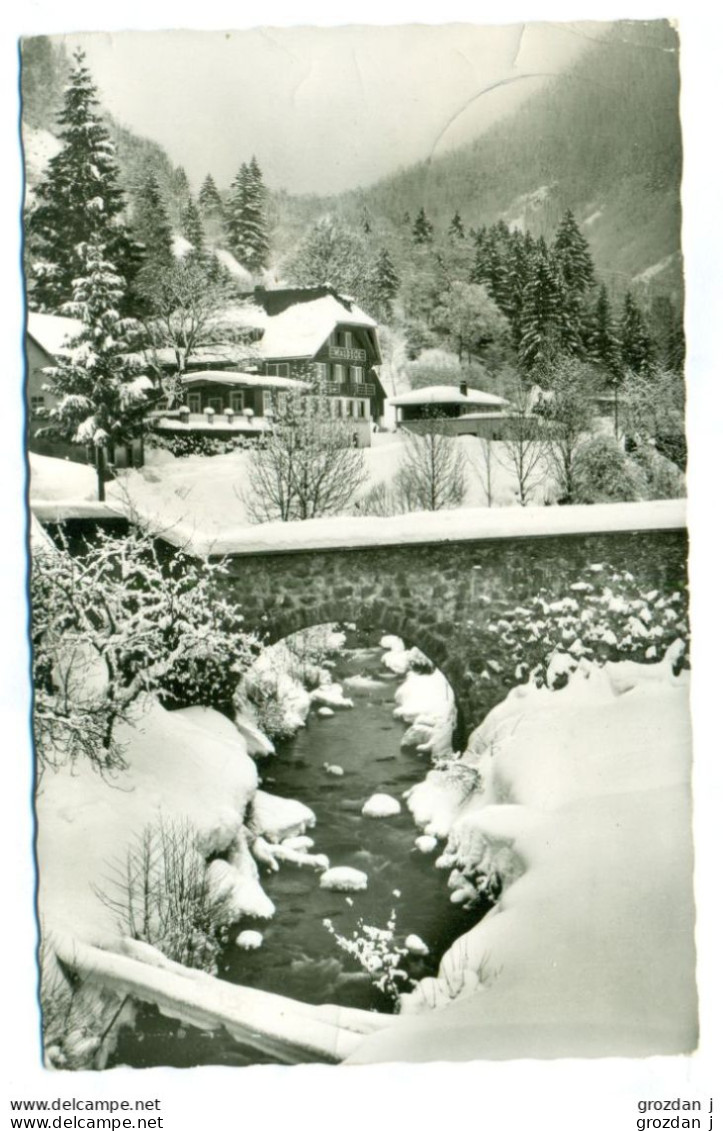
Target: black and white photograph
356 364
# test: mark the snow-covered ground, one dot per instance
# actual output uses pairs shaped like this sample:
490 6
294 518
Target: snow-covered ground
583 808
188 765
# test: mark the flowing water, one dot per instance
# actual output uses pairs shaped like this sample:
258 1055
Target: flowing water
299 956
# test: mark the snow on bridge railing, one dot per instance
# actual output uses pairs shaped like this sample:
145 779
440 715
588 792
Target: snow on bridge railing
291 1031
465 524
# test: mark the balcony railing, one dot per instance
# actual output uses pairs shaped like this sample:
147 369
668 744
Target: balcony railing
348 389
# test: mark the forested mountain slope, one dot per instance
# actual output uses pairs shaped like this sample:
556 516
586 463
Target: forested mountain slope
603 140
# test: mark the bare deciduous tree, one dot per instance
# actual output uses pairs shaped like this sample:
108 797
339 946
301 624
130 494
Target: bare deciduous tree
431 476
567 414
523 449
310 464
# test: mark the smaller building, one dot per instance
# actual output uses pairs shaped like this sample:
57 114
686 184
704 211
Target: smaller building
225 403
47 341
465 411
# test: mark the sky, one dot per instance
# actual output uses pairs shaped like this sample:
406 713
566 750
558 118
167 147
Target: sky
323 109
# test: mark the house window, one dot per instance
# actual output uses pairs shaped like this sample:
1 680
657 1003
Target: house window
194 402
238 402
348 340
37 403
322 371
268 405
357 374
339 374
278 369
216 403
362 406
349 408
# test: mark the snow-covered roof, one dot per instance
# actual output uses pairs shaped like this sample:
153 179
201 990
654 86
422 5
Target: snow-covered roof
446 394
301 329
232 265
223 353
52 331
246 380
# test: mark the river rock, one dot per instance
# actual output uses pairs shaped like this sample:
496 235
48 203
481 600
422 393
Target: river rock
426 844
415 945
325 712
250 940
334 770
381 805
344 879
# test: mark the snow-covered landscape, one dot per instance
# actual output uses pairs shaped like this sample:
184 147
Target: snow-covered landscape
359 603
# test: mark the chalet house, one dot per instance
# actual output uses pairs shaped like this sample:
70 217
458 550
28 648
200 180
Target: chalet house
47 339
295 337
465 411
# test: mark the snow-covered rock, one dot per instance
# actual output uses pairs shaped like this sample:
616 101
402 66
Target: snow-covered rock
381 805
415 945
249 940
279 817
330 695
325 712
333 769
344 879
426 844
241 893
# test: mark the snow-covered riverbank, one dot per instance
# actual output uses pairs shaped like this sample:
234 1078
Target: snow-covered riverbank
582 805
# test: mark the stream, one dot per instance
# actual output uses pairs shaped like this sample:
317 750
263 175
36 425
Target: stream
299 957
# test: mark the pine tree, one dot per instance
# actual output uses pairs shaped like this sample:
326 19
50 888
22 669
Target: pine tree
100 396
235 211
636 345
153 232
209 199
192 228
541 313
79 200
456 228
246 218
573 258
255 231
604 344
384 283
422 229
574 266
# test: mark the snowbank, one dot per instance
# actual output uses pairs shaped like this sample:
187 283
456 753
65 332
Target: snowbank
584 807
187 765
60 480
426 701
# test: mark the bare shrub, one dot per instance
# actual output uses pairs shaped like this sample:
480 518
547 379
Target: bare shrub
161 896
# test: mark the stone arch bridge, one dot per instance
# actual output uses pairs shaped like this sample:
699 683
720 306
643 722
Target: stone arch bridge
438 592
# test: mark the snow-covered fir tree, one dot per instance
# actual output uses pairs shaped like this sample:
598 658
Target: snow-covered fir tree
153 231
572 254
603 342
192 230
234 213
246 218
422 229
78 201
101 397
209 199
541 312
636 344
384 283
